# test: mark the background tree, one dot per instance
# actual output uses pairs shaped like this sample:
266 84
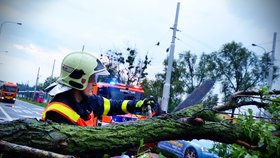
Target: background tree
41 86
265 66
23 86
112 60
237 68
234 66
49 80
128 70
176 85
188 73
188 65
152 87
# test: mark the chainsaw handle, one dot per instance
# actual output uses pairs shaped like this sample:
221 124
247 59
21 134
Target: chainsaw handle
150 113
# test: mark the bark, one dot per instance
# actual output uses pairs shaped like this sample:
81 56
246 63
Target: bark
17 150
115 139
187 124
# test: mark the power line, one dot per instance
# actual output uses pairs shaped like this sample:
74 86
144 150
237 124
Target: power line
185 43
159 42
198 41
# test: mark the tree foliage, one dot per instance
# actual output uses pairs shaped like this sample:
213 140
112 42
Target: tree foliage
237 68
188 73
152 87
49 80
125 69
264 128
234 67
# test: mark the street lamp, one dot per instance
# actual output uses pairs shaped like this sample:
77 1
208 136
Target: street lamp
270 74
265 52
10 22
255 45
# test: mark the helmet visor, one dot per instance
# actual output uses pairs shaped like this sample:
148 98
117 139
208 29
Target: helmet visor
102 73
100 66
56 88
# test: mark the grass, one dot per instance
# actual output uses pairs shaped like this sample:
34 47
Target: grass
33 102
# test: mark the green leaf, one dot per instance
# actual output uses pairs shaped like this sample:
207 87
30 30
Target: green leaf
261 142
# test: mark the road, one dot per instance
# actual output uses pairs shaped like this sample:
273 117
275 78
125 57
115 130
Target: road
18 110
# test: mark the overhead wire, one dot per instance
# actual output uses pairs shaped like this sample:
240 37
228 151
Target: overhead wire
197 41
158 43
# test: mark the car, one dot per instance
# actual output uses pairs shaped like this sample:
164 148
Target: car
188 149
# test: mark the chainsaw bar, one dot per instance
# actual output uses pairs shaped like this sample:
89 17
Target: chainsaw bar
196 96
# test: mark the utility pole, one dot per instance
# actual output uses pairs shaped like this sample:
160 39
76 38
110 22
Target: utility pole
166 88
53 68
48 96
37 79
272 57
83 48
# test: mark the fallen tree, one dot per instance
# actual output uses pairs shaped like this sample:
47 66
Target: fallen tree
193 122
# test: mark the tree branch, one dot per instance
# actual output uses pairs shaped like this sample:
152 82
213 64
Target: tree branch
26 151
117 138
231 103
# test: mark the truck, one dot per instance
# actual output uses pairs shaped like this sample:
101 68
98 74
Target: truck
8 91
119 91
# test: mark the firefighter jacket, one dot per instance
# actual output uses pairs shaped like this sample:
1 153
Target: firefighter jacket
65 109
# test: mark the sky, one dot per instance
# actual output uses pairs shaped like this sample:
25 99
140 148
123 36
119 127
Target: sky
51 29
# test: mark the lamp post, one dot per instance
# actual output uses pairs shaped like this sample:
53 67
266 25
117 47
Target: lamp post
272 58
265 52
255 45
8 22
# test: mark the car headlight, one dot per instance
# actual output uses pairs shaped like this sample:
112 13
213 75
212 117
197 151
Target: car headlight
204 149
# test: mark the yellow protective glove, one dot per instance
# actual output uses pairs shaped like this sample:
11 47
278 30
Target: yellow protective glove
143 104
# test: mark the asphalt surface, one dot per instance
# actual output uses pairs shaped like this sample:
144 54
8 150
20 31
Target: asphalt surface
19 110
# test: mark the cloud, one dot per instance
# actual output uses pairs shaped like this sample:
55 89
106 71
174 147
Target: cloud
21 69
38 54
51 29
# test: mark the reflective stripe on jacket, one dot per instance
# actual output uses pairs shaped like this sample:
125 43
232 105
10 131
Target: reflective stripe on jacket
69 114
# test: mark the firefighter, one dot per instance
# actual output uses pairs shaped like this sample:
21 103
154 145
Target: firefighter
73 102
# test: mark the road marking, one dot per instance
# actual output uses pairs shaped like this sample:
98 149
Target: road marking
27 111
28 116
17 110
7 115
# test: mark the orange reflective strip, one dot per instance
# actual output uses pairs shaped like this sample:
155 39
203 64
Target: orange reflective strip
45 111
107 119
62 109
107 106
124 106
44 115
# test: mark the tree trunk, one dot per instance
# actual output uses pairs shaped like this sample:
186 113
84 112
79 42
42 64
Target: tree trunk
117 138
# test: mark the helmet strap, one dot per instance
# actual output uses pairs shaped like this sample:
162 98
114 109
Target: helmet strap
79 95
84 96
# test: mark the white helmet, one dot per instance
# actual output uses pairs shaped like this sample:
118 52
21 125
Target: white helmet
76 70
